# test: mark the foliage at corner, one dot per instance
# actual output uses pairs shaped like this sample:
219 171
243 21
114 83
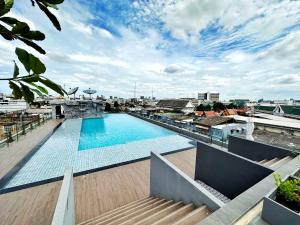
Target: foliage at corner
289 190
218 106
202 107
12 29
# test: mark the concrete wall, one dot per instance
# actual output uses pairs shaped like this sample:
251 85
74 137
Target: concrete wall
228 173
65 208
254 150
167 181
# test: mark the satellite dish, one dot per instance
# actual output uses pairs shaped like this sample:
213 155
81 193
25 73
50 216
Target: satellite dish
73 91
90 92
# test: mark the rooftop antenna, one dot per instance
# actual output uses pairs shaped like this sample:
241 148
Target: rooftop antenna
134 90
152 93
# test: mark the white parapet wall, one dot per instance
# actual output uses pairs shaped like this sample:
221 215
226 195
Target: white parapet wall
65 208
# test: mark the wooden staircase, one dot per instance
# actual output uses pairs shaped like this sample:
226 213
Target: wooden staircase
152 211
276 162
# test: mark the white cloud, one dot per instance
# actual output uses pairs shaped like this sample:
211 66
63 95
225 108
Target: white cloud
88 56
237 57
187 18
173 68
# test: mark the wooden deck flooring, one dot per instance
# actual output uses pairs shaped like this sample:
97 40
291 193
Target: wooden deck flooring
95 193
32 206
12 154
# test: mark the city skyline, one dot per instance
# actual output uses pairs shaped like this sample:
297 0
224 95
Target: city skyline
245 49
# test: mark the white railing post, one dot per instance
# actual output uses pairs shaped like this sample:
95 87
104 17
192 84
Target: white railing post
65 208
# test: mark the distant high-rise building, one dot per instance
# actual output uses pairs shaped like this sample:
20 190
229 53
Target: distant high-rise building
209 96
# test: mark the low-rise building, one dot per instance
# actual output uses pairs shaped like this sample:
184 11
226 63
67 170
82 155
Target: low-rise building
291 111
8 104
176 105
76 108
209 96
203 125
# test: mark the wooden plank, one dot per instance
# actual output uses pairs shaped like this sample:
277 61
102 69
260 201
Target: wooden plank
95 193
17 150
106 190
33 206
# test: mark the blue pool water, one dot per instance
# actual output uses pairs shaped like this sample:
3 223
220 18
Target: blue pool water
115 129
125 138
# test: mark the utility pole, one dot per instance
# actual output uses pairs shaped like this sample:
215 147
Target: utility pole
152 93
134 95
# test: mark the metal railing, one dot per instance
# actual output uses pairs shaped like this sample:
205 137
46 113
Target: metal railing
19 126
187 129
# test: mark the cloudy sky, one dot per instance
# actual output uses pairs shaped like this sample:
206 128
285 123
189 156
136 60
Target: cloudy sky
242 49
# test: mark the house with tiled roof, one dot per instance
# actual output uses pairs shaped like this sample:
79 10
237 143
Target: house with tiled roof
229 112
292 111
176 105
264 108
209 114
203 125
198 113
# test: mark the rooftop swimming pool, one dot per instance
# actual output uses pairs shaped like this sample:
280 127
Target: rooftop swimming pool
93 144
115 129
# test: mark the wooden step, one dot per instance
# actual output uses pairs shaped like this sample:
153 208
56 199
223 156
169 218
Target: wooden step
270 162
176 215
160 214
281 162
263 161
119 209
118 214
139 215
137 209
194 217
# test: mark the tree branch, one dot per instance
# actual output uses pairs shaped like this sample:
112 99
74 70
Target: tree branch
17 78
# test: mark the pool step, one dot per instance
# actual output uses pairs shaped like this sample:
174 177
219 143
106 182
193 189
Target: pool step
151 211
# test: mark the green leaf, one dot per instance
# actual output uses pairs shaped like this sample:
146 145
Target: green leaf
16 70
29 79
34 35
55 2
27 93
9 20
30 62
40 88
50 84
5 33
52 6
33 45
23 56
52 18
20 28
31 82
36 91
5 8
17 92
